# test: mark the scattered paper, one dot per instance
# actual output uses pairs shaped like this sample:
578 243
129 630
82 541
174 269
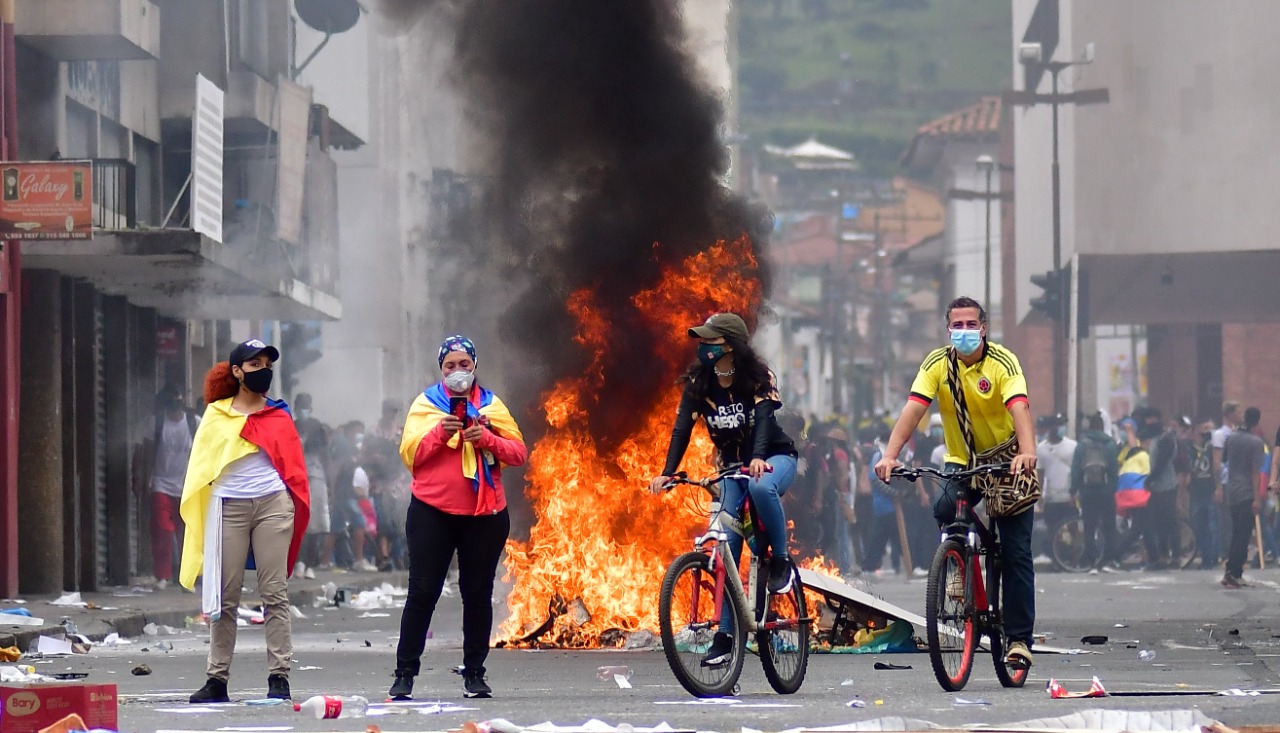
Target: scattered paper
1237 692
17 619
50 645
370 614
622 681
856 704
309 668
68 599
113 639
964 701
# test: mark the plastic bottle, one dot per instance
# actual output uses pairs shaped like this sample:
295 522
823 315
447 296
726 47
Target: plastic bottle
333 706
608 673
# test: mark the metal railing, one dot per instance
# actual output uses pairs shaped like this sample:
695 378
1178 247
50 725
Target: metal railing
115 194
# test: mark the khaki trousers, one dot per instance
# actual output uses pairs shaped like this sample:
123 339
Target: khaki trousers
267 525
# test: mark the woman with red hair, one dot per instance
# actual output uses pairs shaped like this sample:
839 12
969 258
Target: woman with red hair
246 485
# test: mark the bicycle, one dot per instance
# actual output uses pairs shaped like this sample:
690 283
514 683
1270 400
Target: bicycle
1069 546
959 605
696 585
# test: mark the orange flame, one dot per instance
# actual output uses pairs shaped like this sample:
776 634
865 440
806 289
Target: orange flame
596 555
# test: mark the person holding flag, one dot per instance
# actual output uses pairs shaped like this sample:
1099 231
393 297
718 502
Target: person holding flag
457 438
246 487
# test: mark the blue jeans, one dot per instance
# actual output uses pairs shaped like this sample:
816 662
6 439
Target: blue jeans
766 497
1018 572
1205 523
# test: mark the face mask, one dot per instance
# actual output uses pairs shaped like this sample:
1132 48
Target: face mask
258 381
935 433
1061 431
359 440
709 354
966 340
304 413
460 381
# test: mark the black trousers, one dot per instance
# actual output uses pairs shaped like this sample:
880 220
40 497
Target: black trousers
1098 510
1241 531
1160 527
434 537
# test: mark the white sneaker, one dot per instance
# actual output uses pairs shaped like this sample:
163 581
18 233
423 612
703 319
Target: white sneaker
299 569
919 573
310 574
162 584
364 566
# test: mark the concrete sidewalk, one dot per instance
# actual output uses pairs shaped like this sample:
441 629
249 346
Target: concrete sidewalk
126 610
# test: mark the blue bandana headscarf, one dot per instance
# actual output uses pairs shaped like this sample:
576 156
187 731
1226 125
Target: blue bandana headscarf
457 343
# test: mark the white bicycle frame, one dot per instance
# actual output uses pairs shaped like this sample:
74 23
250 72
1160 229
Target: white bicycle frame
716 531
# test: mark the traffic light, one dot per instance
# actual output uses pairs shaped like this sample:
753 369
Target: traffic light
1052 302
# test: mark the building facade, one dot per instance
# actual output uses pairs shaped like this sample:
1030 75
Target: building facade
1164 195
150 301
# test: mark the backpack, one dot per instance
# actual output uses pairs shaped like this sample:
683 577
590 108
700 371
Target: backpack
1095 465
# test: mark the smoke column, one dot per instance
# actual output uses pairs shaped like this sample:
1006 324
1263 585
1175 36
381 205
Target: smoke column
607 159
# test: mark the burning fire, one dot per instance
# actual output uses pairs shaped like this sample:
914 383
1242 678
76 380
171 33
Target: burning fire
595 558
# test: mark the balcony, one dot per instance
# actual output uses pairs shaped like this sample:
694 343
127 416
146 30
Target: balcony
91 30
184 274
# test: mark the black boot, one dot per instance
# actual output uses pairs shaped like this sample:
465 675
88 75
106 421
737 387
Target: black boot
402 688
214 690
278 687
473 684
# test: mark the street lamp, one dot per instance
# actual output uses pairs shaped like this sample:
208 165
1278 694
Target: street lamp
1030 55
987 164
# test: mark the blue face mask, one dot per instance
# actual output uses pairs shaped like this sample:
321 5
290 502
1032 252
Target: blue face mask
709 354
966 340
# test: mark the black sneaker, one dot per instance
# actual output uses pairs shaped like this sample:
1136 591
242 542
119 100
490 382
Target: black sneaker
473 685
214 690
720 652
780 575
402 688
278 687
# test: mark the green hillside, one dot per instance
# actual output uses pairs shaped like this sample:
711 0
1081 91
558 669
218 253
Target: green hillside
863 74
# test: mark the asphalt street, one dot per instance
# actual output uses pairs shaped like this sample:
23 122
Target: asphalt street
1204 639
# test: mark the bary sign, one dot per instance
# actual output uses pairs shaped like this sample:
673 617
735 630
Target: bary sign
46 200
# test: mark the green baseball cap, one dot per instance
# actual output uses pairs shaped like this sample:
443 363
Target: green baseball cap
722 324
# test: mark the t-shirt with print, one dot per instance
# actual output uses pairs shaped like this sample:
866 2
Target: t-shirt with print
730 416
991 386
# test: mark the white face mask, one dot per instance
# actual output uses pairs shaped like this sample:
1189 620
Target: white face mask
460 381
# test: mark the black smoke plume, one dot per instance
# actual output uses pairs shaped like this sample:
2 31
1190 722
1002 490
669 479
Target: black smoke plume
607 157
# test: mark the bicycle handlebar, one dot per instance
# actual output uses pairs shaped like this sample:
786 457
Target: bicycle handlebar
911 474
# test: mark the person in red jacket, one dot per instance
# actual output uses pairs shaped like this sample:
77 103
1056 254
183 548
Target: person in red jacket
458 506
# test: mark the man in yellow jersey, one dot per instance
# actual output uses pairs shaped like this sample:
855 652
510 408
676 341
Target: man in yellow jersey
995 391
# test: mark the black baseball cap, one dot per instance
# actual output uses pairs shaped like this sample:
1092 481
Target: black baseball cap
722 324
247 350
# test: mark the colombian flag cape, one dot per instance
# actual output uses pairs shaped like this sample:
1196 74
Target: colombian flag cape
224 436
431 407
1131 486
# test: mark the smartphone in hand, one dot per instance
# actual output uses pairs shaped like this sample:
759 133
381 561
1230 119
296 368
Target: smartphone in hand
458 407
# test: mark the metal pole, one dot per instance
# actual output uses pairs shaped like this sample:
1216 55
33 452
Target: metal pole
1060 326
986 295
10 312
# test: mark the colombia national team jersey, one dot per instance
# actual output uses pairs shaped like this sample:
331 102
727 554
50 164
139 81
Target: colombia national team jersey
991 386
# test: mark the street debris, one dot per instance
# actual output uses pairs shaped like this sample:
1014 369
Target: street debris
251 615
1131 721
888 723
68 599
309 668
141 670
370 614
10 654
1146 655
887 666
643 639
1098 639
966 701
621 675
384 596
11 617
1058 692
856 704
50 646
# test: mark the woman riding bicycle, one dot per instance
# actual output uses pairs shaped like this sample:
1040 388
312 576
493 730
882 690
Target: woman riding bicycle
735 393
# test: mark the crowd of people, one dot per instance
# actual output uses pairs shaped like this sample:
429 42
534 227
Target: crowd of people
1215 474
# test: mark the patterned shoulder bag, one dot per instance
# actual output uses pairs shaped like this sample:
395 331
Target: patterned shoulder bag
1007 494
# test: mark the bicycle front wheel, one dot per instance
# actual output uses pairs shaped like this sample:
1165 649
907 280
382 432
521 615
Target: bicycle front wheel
783 638
690 621
951 631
